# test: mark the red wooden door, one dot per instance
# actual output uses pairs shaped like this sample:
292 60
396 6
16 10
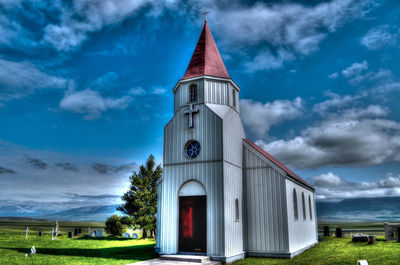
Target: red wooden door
192 224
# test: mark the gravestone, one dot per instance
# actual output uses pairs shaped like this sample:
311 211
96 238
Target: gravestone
362 262
320 238
326 230
69 234
57 228
75 231
398 234
339 232
360 238
33 250
26 231
52 234
371 240
79 231
40 233
92 233
99 233
127 235
135 236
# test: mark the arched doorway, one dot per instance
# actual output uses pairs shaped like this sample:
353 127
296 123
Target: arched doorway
192 218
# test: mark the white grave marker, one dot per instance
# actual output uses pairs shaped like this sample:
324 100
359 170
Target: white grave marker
27 231
52 234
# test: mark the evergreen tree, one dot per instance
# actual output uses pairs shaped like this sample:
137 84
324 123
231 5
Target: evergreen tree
140 201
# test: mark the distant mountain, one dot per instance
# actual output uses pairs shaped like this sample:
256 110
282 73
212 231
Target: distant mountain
361 209
87 213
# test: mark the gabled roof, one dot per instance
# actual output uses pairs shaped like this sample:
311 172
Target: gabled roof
206 59
277 163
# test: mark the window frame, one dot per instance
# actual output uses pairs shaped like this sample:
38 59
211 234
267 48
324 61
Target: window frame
295 206
237 210
309 205
303 202
193 93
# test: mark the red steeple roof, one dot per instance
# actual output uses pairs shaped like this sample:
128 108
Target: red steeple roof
206 59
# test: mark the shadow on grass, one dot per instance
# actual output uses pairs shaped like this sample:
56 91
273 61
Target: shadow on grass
107 238
131 252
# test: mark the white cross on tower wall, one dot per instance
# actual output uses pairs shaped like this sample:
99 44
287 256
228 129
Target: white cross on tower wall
190 111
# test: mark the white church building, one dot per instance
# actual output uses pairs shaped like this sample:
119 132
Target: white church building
221 195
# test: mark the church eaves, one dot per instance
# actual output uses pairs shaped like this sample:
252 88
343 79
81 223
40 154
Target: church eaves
206 59
276 162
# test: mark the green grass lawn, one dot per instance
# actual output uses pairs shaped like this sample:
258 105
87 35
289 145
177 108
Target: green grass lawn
82 250
118 250
339 251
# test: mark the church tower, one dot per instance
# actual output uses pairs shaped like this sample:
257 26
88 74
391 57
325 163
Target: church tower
200 194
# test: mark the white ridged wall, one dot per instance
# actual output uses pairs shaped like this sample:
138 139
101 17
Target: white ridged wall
210 175
218 167
302 233
233 135
207 130
212 91
266 224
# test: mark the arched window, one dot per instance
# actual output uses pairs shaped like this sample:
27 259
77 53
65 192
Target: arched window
303 201
296 211
309 205
234 98
237 210
193 93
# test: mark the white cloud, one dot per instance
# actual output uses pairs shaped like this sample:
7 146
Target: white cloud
259 117
269 61
355 137
335 101
330 186
328 179
333 76
91 103
381 36
291 28
137 91
85 16
19 79
355 69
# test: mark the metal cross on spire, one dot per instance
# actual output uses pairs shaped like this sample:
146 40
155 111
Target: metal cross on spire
205 14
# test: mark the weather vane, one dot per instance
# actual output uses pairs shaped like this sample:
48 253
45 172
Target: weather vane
205 14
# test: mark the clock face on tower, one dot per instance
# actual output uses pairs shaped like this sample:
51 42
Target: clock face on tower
192 149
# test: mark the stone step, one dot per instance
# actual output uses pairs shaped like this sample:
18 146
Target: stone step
186 258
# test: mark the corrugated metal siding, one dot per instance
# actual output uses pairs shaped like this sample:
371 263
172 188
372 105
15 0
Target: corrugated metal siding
216 92
210 175
233 135
182 93
207 130
302 233
233 190
266 215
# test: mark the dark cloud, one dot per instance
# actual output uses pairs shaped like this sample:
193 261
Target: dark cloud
37 163
104 169
67 166
101 168
4 170
92 197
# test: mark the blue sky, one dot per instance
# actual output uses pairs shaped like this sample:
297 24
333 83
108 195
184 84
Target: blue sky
86 89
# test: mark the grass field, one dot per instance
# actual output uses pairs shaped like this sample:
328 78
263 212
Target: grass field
80 250
117 250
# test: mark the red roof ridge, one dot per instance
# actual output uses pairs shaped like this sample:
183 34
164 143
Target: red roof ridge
206 59
276 162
